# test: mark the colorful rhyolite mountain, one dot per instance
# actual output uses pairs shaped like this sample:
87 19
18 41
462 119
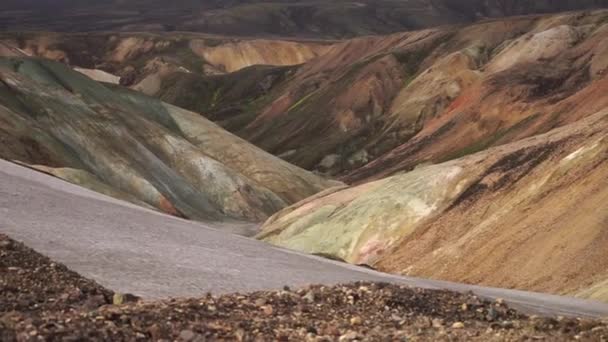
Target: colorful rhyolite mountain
501 173
127 145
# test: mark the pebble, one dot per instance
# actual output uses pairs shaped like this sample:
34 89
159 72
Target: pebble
356 320
396 318
507 324
309 297
458 325
260 302
437 323
267 309
349 336
186 335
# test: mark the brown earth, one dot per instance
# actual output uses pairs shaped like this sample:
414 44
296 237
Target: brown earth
71 307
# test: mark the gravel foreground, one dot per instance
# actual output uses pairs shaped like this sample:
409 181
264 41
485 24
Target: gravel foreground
42 300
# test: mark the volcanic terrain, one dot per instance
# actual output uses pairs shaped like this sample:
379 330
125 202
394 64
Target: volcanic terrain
444 140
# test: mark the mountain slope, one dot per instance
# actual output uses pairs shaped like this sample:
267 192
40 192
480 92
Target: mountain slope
529 215
370 107
301 18
137 148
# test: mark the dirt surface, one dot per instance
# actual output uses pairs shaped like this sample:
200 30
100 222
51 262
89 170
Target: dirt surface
41 299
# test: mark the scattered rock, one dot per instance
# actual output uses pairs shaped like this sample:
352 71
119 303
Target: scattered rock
187 335
349 336
309 297
458 325
123 298
267 309
355 320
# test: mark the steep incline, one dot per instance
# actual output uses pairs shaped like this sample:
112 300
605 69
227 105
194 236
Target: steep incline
126 145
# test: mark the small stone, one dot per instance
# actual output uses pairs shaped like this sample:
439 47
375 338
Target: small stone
94 302
492 315
117 299
331 330
355 320
437 323
500 301
458 325
240 334
309 297
267 309
349 336
309 337
396 318
186 335
154 331
507 325
260 302
464 307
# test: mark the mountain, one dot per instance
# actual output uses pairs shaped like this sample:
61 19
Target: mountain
368 107
137 148
302 18
531 215
496 155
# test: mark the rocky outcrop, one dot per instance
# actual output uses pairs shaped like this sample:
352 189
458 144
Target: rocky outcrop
137 148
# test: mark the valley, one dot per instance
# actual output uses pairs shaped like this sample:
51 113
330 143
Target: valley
249 145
